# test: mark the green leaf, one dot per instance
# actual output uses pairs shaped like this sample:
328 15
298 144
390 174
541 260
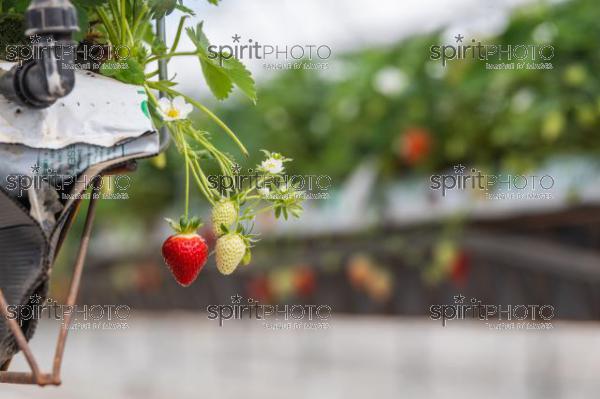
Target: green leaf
17 6
247 257
185 9
221 71
158 46
160 8
133 72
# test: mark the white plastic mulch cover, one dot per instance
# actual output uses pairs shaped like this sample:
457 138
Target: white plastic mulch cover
99 111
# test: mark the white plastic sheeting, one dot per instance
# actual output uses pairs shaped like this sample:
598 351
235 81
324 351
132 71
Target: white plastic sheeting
99 111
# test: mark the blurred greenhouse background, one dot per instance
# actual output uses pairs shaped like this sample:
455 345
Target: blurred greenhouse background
381 120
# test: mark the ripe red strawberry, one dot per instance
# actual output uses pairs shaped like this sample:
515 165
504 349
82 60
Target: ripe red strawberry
415 145
185 252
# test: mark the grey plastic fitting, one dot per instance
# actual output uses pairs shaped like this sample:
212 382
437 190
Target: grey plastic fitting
50 74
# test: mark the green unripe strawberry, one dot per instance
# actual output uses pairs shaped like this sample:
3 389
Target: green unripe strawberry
230 251
223 213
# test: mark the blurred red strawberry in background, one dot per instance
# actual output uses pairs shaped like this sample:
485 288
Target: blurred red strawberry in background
305 281
358 270
259 289
415 145
380 286
459 270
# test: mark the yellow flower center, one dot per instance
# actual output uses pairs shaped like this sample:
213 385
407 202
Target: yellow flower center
173 113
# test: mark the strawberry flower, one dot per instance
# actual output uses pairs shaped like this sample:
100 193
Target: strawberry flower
272 165
175 109
264 192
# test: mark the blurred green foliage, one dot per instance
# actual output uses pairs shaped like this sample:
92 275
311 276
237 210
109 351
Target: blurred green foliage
492 118
328 122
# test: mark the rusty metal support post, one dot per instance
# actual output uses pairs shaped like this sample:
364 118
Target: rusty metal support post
35 376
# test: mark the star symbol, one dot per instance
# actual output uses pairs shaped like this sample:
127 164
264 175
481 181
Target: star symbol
236 38
459 298
236 298
35 39
459 169
35 298
459 38
236 168
35 168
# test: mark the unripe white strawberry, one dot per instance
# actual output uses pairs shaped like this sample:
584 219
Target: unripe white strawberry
230 250
223 213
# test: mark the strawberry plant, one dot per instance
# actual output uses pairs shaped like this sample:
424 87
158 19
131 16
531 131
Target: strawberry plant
126 26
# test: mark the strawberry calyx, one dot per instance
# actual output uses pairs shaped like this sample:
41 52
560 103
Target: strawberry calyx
185 226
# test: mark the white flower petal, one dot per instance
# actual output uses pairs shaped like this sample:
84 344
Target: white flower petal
164 105
186 110
179 102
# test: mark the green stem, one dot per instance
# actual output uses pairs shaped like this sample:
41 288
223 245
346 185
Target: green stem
178 34
124 24
170 55
225 164
187 175
202 188
112 33
213 117
266 208
138 19
114 8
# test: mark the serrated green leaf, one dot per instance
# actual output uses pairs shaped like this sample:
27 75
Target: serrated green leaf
223 71
133 73
185 9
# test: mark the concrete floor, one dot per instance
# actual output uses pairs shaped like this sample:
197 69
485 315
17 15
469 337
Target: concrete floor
184 355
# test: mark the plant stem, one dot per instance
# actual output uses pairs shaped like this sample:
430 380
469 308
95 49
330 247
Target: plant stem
138 19
213 117
114 8
202 187
123 22
178 34
112 33
266 208
170 55
187 175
